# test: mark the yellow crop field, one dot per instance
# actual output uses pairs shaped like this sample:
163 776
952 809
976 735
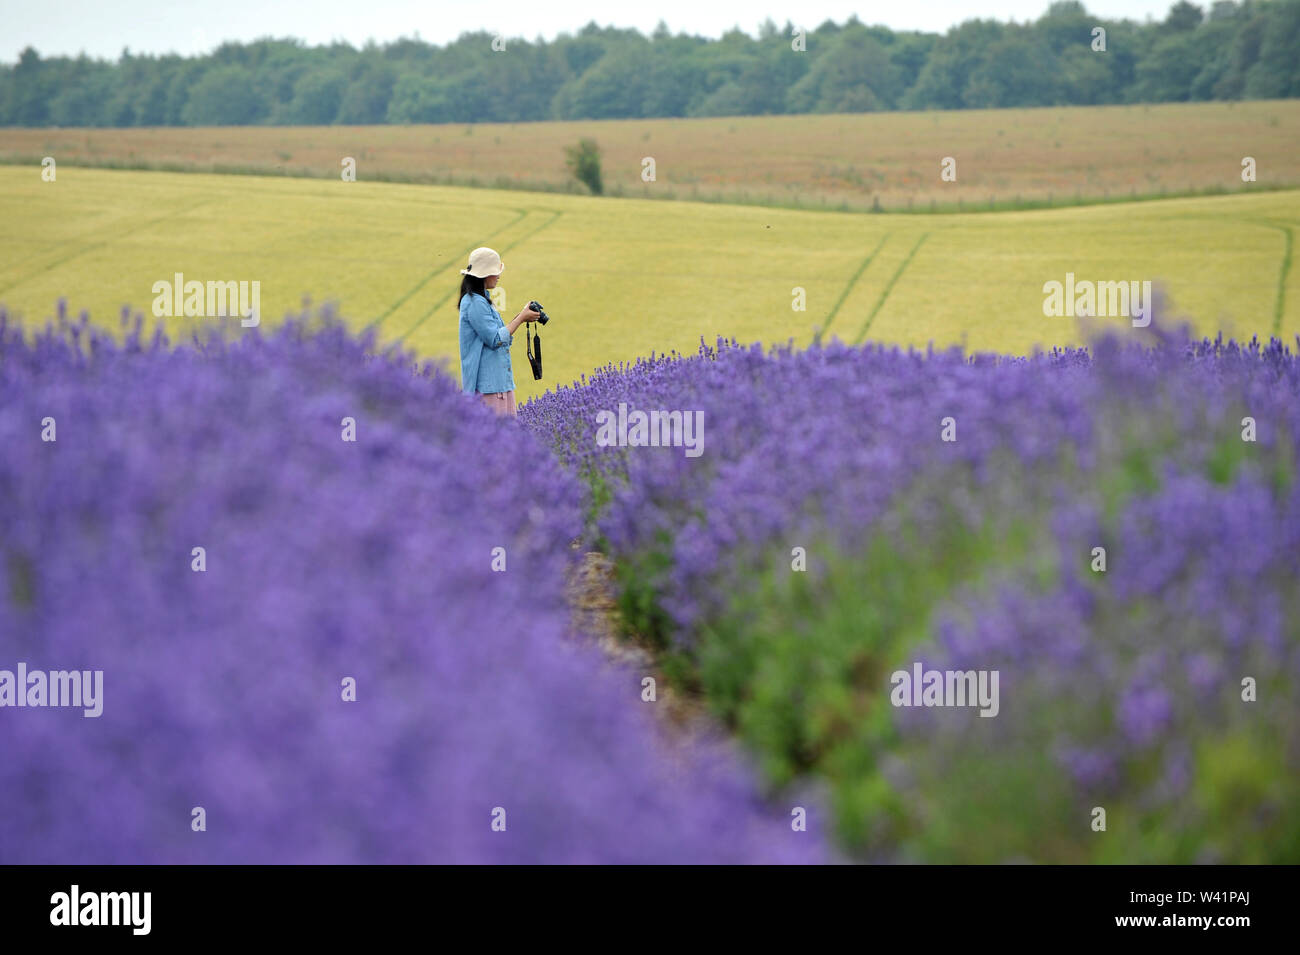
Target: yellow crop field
859 161
623 278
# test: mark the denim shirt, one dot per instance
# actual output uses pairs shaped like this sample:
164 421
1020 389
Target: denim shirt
484 347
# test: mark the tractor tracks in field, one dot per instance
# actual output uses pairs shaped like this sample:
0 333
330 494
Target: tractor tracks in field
889 287
1288 245
817 335
1287 228
884 294
93 246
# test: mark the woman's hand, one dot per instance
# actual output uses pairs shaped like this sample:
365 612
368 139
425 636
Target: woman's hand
527 315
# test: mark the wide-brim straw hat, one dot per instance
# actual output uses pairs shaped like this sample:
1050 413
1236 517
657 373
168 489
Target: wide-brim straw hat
484 262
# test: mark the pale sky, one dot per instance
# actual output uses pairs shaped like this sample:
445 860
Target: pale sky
101 28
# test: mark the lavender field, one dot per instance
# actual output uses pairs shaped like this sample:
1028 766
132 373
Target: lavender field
475 729
1114 531
326 592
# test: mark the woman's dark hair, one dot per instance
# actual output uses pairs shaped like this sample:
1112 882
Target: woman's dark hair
471 285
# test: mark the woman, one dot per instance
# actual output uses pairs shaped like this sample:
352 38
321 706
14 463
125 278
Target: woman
485 339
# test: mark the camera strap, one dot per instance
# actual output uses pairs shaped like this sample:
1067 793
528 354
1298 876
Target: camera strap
534 351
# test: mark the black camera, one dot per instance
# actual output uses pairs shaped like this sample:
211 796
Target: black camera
535 341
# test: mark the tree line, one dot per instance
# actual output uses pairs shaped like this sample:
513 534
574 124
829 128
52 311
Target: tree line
1247 50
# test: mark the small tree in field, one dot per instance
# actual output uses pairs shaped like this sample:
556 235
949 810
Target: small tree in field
584 162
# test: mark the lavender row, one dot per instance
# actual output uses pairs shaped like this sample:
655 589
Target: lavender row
1114 530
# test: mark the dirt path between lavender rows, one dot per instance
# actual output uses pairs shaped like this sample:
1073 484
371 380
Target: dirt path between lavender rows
592 595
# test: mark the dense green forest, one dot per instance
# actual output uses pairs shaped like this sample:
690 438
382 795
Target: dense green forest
1248 50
